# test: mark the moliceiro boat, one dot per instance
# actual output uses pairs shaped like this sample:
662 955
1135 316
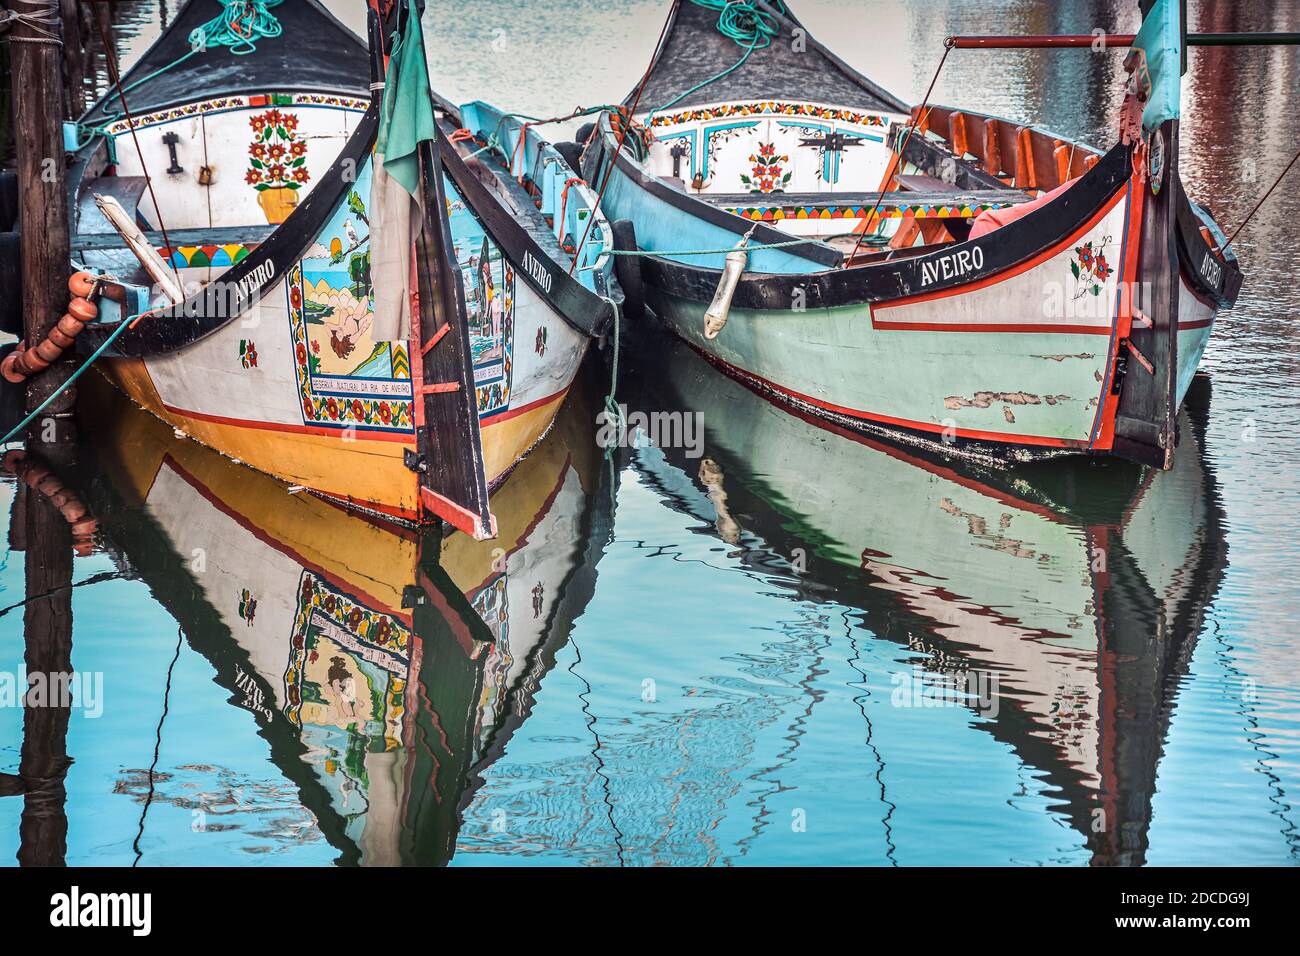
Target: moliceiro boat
227 206
943 275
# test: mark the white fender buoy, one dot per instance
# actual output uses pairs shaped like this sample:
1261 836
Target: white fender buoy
720 308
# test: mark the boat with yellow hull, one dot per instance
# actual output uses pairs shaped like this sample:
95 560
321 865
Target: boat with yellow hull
257 190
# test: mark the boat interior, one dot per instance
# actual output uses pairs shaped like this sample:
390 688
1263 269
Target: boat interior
535 183
814 170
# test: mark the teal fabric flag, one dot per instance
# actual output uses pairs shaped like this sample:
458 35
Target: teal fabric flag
406 117
405 121
1159 45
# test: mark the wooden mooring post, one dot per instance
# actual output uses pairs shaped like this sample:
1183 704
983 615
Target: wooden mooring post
47 632
36 54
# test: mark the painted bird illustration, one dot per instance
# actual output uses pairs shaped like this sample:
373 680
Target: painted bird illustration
351 233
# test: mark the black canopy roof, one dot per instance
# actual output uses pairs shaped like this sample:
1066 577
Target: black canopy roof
313 52
693 50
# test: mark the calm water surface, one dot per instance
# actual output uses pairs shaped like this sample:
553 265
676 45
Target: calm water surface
794 647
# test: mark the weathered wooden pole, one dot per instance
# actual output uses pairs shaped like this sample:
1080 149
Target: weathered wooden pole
36 51
47 631
75 58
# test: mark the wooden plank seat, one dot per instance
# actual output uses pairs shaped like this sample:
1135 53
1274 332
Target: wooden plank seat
987 150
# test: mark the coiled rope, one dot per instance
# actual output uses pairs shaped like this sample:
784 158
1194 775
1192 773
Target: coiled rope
239 27
45 21
745 23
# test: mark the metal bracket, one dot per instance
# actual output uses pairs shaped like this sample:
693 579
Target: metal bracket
414 461
171 139
678 152
1121 366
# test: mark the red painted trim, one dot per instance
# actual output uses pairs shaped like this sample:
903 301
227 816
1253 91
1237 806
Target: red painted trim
435 338
1107 403
1010 273
460 518
510 413
208 495
991 327
417 349
407 438
1141 359
930 427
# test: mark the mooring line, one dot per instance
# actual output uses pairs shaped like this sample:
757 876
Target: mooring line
622 137
157 747
1261 200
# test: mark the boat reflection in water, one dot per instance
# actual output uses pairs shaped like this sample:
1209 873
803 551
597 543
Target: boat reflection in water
385 668
1061 602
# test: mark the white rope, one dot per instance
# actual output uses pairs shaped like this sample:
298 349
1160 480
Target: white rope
44 21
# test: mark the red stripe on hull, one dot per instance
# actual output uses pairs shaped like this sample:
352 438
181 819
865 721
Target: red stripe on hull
929 427
991 327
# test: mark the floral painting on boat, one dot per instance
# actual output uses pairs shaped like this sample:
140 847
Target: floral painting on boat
1090 267
767 173
277 162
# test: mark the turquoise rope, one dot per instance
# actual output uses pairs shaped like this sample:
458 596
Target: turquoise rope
217 32
67 385
220 31
741 22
